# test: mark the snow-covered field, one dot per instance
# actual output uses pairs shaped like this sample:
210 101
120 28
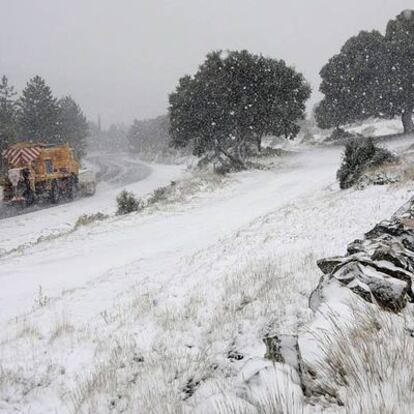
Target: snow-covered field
164 311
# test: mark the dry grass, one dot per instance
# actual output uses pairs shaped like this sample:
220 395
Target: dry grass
167 375
367 362
86 219
61 327
185 189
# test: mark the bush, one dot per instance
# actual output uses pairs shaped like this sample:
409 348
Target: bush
359 155
127 203
86 219
339 134
160 194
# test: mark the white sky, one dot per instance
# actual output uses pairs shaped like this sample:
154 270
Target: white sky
121 58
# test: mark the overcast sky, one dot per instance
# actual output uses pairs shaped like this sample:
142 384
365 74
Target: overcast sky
121 58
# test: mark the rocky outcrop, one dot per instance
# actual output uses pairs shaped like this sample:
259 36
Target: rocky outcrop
378 268
378 178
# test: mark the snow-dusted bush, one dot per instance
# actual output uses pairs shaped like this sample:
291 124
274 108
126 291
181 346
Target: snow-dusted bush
176 192
127 203
160 194
86 219
184 189
340 133
360 155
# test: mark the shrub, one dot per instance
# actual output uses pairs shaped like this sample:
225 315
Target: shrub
340 134
359 155
160 194
127 203
86 219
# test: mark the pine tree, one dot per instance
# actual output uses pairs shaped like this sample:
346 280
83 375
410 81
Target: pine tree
38 115
7 113
7 116
73 126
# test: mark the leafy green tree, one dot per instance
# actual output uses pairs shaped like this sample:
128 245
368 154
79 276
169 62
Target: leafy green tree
372 76
233 101
399 87
73 126
352 81
7 115
38 114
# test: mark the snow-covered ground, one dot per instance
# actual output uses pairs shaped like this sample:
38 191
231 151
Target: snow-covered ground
374 128
162 311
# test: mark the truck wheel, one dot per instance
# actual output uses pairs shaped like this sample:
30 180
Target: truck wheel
29 197
54 194
73 188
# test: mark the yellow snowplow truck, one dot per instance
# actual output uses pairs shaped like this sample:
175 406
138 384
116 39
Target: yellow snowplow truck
42 171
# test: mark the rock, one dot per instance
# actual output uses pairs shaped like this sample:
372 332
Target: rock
347 272
406 210
390 286
387 248
393 228
378 268
380 178
356 246
285 349
329 264
215 403
361 289
316 297
389 292
263 380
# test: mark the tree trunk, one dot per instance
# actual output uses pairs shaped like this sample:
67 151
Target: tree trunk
236 162
407 120
259 144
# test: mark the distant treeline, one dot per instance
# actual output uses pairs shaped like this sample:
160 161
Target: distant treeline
113 138
37 116
151 139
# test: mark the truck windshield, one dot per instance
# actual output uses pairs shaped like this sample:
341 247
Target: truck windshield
49 166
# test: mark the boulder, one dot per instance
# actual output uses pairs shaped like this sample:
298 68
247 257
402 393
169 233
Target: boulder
284 349
329 264
379 268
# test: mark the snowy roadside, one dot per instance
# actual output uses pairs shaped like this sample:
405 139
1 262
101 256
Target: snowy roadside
28 228
160 312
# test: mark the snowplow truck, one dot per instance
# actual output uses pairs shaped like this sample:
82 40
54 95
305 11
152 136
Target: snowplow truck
42 171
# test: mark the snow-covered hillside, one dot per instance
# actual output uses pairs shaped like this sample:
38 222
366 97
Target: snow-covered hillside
163 311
